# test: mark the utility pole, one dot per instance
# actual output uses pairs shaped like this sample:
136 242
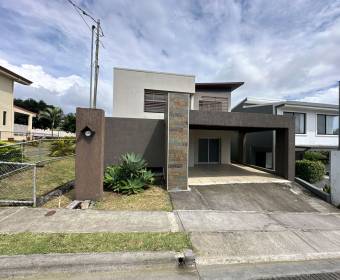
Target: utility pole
91 71
96 69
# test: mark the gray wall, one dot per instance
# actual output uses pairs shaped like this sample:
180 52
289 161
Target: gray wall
265 109
142 136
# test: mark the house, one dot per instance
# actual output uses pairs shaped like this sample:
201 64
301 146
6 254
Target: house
9 130
316 128
177 124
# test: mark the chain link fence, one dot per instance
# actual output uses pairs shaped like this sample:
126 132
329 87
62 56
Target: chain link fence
32 169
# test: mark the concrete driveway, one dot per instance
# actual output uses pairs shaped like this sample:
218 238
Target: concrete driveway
210 174
237 214
240 188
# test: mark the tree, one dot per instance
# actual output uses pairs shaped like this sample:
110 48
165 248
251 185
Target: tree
34 106
54 115
69 123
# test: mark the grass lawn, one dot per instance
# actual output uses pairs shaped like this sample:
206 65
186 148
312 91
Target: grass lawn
44 243
153 199
51 175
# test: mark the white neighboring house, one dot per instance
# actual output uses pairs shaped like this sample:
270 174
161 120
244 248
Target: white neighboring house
316 127
9 130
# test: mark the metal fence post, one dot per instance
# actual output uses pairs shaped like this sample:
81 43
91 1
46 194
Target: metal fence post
39 144
22 152
34 185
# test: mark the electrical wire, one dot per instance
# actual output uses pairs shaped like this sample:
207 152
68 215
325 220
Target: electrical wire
82 12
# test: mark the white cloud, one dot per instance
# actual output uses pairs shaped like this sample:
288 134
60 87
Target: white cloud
41 79
330 96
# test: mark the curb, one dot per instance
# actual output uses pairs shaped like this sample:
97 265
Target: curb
25 264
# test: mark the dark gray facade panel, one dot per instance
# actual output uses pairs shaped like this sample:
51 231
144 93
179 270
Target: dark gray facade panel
239 120
265 109
142 136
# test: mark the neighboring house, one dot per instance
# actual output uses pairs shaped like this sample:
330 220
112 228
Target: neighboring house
8 130
316 127
176 123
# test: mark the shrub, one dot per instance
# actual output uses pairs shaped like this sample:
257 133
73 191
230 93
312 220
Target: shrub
10 153
129 177
315 156
311 171
62 147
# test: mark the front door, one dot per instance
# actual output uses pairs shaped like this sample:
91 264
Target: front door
209 150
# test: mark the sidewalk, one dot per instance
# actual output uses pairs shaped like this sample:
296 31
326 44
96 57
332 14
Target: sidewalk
68 221
218 237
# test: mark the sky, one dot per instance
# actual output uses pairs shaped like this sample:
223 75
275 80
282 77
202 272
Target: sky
280 49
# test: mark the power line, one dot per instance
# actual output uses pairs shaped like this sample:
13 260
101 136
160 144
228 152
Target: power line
81 11
99 33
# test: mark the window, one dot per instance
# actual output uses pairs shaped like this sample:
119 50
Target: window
300 121
4 115
154 101
216 104
328 125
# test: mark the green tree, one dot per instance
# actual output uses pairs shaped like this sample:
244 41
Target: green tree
34 106
54 115
69 123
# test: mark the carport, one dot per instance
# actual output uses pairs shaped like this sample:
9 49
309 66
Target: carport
241 124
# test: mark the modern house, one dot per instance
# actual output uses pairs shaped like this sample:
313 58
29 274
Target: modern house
177 124
316 128
8 129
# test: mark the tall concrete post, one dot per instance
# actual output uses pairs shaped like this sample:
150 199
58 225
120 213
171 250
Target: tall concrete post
241 147
285 153
335 177
89 153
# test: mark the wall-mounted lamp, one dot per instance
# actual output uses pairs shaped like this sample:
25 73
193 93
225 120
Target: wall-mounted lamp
87 132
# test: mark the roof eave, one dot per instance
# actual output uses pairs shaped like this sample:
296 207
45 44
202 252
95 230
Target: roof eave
15 77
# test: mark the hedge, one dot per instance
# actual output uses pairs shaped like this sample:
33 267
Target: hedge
315 156
310 171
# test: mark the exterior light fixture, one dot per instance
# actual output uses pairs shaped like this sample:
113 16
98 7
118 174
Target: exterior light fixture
87 132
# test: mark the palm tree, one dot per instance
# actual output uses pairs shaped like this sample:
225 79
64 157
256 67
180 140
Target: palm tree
54 115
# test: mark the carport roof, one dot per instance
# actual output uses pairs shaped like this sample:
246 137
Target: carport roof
238 120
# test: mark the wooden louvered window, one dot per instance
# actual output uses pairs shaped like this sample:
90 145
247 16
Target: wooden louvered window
154 101
216 104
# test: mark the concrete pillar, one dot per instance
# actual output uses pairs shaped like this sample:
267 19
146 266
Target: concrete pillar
89 154
241 147
177 141
29 128
335 177
285 153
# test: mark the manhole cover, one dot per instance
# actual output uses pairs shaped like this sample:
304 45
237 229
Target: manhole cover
321 276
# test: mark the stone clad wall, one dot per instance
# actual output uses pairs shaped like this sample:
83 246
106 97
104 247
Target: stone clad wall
177 141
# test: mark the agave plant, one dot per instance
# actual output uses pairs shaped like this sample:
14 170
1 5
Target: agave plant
129 177
112 176
130 186
132 165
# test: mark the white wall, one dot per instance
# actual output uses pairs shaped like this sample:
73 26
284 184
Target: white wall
129 85
6 103
311 138
195 134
